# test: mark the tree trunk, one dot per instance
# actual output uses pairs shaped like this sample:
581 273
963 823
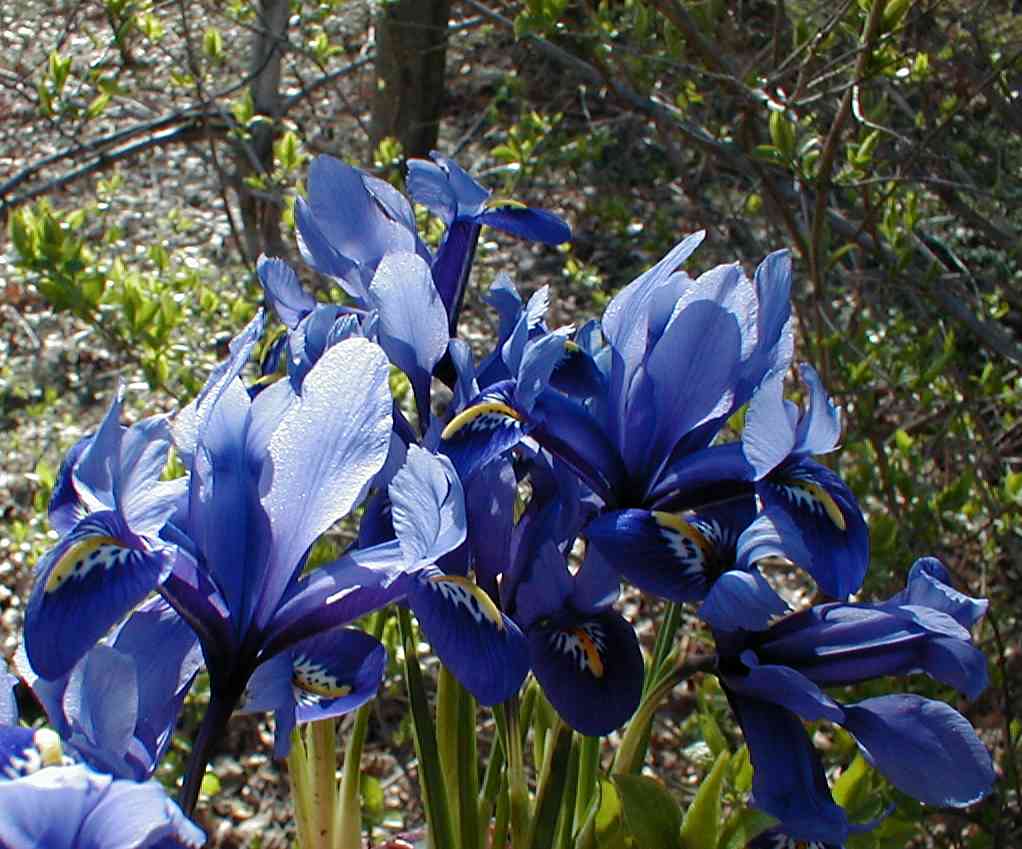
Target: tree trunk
411 51
261 215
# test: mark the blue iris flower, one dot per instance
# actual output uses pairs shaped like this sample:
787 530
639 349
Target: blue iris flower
267 476
465 208
48 801
633 404
925 748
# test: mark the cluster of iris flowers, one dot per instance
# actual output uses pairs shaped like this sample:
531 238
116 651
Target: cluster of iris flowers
620 427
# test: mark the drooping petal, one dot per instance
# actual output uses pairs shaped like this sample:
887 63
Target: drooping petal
785 687
322 457
326 675
660 553
828 520
590 669
788 780
413 321
485 429
84 585
484 649
924 747
288 299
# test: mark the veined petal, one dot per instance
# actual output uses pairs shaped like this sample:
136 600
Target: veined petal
427 507
338 593
768 436
484 649
820 428
924 747
326 675
485 429
661 553
84 585
322 457
72 807
828 520
591 670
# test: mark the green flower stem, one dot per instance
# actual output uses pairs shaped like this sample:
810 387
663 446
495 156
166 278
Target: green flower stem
431 780
566 818
550 787
588 766
321 747
468 770
298 772
501 817
664 644
634 742
348 822
493 780
448 696
518 787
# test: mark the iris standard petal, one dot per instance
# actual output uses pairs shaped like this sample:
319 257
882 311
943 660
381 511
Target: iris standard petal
413 321
820 427
427 507
84 585
323 455
484 649
590 669
288 299
925 748
768 437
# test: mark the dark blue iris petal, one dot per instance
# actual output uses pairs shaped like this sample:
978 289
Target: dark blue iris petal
487 428
483 649
929 585
537 225
828 520
86 584
924 747
591 670
659 553
788 780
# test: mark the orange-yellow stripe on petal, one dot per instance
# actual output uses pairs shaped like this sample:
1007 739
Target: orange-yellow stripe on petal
468 416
